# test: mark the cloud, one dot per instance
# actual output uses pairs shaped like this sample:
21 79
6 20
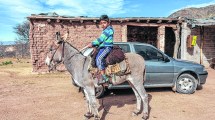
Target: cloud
15 12
105 7
84 8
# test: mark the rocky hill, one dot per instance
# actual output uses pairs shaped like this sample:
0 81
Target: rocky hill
195 13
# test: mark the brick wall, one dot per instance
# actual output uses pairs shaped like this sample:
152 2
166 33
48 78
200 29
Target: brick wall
208 50
80 34
209 45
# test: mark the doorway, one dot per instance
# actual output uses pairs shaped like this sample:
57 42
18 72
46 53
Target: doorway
142 34
169 41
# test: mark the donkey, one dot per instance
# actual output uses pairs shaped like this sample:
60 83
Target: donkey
77 65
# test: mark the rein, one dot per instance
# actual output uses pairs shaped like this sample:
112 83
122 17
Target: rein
79 52
62 55
52 57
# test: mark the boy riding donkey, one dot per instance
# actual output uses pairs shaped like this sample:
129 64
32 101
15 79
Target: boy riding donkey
105 44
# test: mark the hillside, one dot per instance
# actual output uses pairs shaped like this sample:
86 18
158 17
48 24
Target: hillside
195 13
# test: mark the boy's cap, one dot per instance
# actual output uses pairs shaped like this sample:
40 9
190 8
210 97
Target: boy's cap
104 17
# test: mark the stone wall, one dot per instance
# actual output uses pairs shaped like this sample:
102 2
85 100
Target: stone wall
80 34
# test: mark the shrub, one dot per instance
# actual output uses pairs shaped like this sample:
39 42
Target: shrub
7 63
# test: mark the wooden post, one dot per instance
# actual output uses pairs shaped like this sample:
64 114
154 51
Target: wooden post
161 38
202 43
177 41
124 33
185 33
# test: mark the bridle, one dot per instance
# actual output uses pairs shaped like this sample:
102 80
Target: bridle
62 55
52 55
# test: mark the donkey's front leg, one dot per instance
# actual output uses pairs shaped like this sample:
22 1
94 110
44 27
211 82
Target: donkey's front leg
89 114
145 106
93 106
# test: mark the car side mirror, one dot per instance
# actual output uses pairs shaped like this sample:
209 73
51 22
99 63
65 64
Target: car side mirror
166 59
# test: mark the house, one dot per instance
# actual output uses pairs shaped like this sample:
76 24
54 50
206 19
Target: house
170 35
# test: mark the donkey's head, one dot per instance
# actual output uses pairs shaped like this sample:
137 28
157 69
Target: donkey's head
55 53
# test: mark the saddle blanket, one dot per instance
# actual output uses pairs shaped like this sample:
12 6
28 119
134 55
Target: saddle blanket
118 69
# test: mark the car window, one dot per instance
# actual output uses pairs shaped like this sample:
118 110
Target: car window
148 53
125 47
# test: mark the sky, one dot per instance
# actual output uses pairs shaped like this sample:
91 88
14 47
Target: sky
14 12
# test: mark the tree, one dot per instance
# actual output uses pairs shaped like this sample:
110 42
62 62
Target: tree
22 40
22 31
1 49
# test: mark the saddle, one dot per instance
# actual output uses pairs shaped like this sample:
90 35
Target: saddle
115 62
115 56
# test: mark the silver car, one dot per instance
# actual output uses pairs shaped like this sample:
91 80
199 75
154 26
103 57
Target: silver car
161 70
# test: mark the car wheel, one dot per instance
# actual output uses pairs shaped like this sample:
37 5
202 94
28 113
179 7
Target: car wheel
186 84
100 91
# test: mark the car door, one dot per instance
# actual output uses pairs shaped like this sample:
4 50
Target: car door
158 70
127 48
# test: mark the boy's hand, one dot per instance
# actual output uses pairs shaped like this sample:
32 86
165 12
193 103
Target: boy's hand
89 45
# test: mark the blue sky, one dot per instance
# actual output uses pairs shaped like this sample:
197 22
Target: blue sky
13 12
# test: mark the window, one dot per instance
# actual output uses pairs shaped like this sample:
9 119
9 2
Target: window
125 47
148 53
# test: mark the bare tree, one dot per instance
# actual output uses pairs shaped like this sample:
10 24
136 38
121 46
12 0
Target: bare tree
22 40
1 49
22 31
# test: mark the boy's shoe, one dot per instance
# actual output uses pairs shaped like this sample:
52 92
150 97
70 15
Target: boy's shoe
103 81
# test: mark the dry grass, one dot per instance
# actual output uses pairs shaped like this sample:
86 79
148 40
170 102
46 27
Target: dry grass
22 67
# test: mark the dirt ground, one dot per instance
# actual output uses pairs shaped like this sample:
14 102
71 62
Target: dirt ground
28 96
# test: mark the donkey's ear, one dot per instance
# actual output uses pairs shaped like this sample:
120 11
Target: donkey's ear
58 37
65 36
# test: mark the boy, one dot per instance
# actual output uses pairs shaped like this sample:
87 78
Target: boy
105 45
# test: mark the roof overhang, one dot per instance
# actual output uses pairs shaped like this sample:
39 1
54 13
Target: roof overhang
157 20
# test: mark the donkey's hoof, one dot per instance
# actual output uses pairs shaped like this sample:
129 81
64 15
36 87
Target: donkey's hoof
88 115
97 118
134 114
145 116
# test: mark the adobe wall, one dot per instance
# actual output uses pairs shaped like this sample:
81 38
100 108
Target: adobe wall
80 34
